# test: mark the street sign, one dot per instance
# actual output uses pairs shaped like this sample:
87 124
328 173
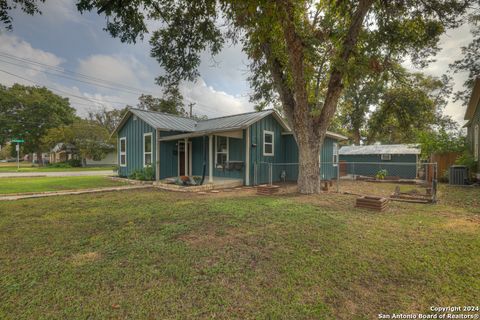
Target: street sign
18 141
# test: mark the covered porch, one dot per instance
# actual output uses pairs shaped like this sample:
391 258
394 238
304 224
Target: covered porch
222 157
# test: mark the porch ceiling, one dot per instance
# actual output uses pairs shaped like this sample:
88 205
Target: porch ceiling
230 132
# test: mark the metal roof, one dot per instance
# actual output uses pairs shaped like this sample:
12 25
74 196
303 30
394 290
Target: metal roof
191 127
160 120
380 149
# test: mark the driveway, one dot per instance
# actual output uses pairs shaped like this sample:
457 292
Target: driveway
56 174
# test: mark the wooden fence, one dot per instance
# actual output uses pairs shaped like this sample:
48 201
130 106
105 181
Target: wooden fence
444 161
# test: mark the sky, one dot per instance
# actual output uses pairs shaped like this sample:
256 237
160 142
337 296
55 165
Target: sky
64 39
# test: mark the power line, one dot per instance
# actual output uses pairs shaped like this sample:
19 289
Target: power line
100 102
72 78
78 74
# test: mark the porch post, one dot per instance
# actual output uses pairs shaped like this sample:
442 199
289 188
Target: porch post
157 157
210 159
186 157
247 156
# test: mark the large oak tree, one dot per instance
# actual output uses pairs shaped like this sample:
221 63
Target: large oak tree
302 53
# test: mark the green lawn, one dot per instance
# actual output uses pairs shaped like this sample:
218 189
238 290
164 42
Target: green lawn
162 255
41 184
27 167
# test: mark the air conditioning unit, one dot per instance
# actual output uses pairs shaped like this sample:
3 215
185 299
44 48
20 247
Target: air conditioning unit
458 175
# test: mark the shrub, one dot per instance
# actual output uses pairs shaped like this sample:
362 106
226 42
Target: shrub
381 174
59 165
75 162
468 160
145 174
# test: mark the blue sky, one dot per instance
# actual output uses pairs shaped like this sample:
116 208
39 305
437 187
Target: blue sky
64 38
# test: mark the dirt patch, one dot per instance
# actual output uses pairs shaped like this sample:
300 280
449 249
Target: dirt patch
80 259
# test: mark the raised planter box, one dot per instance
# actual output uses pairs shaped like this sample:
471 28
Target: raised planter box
267 190
372 203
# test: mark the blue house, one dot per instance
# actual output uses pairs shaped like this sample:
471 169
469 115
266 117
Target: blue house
399 160
238 147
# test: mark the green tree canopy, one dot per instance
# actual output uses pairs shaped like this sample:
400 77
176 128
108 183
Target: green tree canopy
29 112
91 139
301 53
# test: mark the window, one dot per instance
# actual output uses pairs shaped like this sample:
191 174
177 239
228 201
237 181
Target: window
147 149
268 143
335 154
123 152
221 151
386 157
475 142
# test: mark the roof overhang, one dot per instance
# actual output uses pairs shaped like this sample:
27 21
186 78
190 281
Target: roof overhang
329 134
199 134
474 100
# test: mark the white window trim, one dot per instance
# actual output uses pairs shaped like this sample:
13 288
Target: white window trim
476 133
388 158
122 153
272 143
335 154
216 151
151 150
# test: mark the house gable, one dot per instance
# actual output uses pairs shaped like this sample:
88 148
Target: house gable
133 129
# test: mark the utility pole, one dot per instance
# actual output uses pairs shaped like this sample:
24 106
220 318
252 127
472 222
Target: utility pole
191 105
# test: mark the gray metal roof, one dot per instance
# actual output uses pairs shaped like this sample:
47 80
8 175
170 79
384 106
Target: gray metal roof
236 121
380 149
160 120
191 127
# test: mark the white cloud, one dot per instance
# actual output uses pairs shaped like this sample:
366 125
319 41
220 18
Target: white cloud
451 43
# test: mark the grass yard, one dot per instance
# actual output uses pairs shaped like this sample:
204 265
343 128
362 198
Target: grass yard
153 254
42 184
27 167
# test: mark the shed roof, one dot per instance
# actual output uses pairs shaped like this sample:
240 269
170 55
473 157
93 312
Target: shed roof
380 149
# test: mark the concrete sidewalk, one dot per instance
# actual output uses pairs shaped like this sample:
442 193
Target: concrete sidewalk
69 192
56 174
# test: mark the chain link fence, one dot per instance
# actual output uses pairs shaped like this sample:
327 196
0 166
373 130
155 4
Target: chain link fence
408 181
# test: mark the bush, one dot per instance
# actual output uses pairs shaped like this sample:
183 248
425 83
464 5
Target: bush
75 162
145 174
381 174
444 177
468 160
59 165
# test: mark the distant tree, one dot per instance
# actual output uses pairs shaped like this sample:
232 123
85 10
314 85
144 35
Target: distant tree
29 112
440 141
109 119
409 106
470 62
6 152
171 102
91 139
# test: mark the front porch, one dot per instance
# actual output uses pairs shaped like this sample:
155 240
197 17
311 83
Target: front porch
222 158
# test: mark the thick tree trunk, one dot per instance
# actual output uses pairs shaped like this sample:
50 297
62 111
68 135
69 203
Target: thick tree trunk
308 166
356 135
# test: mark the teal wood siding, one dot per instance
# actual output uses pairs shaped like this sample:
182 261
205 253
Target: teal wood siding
268 123
168 155
470 132
133 130
367 165
327 170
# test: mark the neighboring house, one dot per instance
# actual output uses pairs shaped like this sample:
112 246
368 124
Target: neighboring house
228 147
110 159
472 115
400 160
63 152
